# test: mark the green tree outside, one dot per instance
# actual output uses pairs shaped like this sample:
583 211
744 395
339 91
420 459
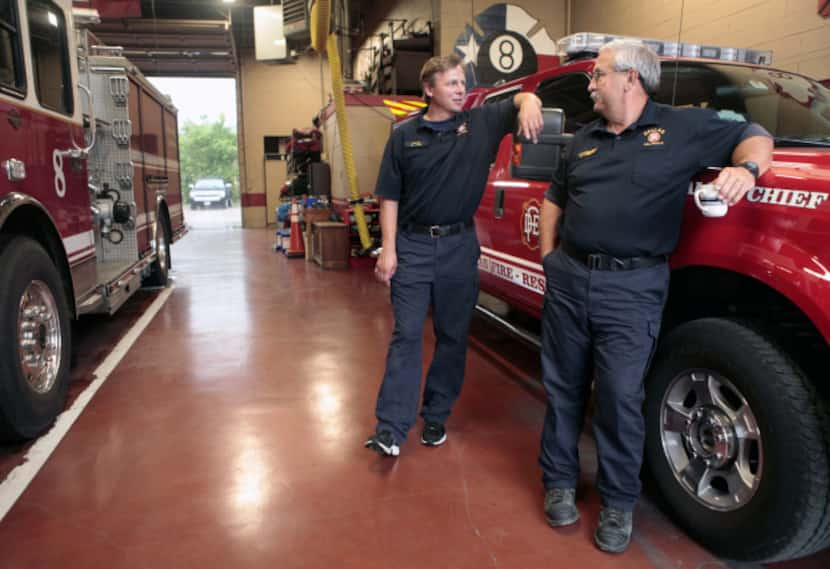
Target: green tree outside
208 150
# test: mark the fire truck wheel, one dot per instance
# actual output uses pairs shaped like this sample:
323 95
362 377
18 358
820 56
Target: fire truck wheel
738 442
35 339
160 269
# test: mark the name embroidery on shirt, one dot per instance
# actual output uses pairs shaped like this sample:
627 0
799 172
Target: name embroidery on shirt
415 144
586 153
654 136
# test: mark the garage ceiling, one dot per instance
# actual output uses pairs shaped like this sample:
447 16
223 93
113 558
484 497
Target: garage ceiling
190 38
187 38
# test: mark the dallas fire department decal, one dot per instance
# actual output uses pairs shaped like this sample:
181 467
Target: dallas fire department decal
502 43
531 210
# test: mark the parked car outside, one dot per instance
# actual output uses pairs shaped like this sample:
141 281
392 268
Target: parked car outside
210 191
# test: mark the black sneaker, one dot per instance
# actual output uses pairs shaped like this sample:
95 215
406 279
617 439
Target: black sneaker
433 434
614 530
560 509
383 443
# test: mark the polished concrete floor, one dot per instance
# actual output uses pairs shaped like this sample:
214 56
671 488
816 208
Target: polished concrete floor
231 436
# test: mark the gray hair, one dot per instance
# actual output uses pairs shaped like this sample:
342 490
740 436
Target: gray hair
634 54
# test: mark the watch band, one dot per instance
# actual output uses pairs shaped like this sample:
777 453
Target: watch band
751 167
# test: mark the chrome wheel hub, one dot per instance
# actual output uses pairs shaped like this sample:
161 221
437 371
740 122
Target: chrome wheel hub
711 439
710 436
39 341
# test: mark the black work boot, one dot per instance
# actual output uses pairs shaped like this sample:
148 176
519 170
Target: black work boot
560 509
614 530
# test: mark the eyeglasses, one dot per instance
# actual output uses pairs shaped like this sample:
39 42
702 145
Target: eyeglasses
599 73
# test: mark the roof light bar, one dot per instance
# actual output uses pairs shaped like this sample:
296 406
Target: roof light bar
589 42
85 16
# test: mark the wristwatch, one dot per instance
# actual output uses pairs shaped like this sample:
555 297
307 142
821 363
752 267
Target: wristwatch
752 167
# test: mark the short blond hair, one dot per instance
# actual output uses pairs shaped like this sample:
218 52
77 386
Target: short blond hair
435 65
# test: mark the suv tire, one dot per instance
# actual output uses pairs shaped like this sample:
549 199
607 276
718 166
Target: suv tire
704 371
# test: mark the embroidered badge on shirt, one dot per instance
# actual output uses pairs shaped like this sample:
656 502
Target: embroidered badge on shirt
586 153
654 136
415 144
462 129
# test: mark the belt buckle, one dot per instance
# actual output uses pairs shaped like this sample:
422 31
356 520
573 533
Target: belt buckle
435 231
594 261
618 264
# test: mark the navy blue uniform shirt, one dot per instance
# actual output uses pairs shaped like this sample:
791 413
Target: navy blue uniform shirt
437 172
623 194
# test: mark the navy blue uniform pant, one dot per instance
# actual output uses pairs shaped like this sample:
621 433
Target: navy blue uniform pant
601 326
441 273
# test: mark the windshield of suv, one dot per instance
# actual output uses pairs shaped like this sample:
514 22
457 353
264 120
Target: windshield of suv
791 107
209 184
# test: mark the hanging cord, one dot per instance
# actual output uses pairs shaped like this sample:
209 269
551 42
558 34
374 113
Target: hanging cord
677 57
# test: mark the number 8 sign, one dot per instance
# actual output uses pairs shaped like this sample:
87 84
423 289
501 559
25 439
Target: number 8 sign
504 56
503 43
506 53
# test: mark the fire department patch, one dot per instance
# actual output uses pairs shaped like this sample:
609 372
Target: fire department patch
531 210
654 136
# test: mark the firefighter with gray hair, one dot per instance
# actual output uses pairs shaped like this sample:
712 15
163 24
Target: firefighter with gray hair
610 220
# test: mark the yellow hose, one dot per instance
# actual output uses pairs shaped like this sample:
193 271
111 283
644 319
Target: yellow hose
346 140
320 16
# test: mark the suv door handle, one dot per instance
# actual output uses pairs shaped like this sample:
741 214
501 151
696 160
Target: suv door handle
498 207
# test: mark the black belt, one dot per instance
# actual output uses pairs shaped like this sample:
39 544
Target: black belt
438 230
603 262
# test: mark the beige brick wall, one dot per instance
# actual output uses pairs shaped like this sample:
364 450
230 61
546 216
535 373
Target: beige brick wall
369 128
797 35
275 99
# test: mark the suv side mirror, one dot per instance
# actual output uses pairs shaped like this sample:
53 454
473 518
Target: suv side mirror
539 161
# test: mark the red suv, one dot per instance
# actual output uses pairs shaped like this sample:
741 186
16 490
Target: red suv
737 397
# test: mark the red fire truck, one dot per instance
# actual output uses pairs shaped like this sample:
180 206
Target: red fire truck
89 197
737 397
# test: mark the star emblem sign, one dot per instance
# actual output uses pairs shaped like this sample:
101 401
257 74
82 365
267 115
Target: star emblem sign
470 50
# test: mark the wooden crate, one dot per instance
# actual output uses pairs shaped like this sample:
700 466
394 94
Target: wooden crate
330 244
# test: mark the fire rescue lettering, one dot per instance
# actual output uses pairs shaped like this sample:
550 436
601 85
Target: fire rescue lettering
512 273
780 196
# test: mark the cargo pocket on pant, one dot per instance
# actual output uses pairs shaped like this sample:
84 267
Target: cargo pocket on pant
654 334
